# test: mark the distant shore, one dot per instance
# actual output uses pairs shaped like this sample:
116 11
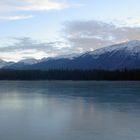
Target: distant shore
75 75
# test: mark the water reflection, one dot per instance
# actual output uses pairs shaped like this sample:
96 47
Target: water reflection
69 110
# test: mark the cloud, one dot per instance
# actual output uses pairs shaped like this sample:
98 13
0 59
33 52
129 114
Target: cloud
25 44
79 37
12 18
19 48
90 35
31 5
42 5
15 7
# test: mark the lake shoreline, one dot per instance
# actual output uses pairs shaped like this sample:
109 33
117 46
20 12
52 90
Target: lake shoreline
72 75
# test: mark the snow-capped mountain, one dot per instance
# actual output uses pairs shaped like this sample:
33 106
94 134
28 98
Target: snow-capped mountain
120 56
29 61
70 56
4 63
21 64
130 48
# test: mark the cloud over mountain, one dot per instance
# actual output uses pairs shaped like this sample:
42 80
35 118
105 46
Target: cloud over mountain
79 37
19 48
92 34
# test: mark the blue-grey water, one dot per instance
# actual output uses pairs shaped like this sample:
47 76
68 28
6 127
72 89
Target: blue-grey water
54 110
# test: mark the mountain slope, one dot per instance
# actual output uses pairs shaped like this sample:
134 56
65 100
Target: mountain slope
119 56
29 61
4 63
21 64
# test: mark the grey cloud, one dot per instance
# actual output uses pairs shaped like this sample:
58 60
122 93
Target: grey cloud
80 36
24 44
90 35
27 47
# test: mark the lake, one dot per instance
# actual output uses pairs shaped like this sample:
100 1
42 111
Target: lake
55 110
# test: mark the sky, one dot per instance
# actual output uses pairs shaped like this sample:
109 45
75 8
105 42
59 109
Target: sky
49 28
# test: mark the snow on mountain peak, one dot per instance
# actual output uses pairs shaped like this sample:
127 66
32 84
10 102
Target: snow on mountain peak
131 47
28 61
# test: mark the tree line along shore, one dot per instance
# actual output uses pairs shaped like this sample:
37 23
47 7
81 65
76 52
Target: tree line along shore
86 75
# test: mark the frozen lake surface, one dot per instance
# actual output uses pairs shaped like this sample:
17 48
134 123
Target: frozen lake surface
54 110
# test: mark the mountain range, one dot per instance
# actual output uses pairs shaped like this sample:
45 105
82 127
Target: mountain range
115 57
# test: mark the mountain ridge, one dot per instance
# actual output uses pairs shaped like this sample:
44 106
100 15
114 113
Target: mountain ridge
124 55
